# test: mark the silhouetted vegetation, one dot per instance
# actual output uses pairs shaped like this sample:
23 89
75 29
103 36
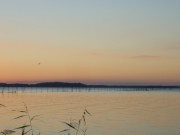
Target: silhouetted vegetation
79 126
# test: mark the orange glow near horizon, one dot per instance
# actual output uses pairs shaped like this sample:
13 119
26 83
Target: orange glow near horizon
88 69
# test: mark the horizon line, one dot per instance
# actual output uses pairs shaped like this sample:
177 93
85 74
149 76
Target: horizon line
106 85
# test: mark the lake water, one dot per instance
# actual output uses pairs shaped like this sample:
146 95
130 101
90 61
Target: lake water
114 112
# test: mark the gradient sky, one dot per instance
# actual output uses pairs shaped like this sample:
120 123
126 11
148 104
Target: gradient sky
90 41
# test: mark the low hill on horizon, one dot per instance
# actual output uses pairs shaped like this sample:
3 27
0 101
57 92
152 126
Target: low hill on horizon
81 85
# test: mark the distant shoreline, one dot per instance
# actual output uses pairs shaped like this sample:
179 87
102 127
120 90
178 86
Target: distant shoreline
81 85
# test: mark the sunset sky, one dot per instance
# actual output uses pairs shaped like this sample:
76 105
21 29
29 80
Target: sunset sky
90 41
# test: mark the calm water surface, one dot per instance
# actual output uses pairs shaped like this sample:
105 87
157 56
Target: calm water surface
113 112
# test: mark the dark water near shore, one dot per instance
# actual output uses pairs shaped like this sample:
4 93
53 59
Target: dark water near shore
114 111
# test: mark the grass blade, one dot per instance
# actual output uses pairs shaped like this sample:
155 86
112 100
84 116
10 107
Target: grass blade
23 130
34 117
84 119
23 111
1 105
20 116
23 127
7 132
88 112
70 125
64 130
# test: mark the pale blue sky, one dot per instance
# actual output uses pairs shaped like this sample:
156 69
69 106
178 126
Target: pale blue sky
114 32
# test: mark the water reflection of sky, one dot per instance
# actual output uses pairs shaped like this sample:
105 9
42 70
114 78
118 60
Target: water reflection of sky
115 113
